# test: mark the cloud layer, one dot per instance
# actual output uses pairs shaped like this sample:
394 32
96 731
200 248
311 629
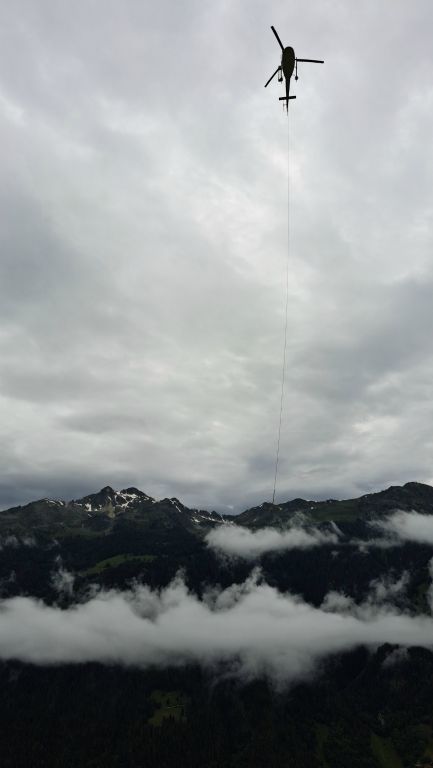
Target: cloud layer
395 530
251 629
241 542
408 526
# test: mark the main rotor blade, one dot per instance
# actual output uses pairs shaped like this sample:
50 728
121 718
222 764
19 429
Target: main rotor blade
277 70
276 35
313 61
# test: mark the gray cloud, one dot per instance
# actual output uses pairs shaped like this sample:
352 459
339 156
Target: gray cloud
250 627
387 589
15 542
397 656
144 246
62 579
241 542
408 526
386 592
430 589
238 541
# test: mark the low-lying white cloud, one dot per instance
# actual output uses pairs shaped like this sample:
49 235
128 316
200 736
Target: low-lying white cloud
235 540
251 628
384 593
385 588
430 589
408 526
62 579
14 542
383 542
397 656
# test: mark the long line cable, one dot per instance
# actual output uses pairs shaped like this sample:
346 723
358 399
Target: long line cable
283 373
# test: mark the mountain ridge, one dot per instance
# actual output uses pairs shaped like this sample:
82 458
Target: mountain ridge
109 504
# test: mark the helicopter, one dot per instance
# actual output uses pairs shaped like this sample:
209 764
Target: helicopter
289 62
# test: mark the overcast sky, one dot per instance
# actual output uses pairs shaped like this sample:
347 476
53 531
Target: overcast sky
144 244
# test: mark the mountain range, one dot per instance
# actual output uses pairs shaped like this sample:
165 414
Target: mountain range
368 706
102 511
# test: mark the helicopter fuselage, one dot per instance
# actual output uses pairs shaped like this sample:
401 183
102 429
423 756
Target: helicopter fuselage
288 62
